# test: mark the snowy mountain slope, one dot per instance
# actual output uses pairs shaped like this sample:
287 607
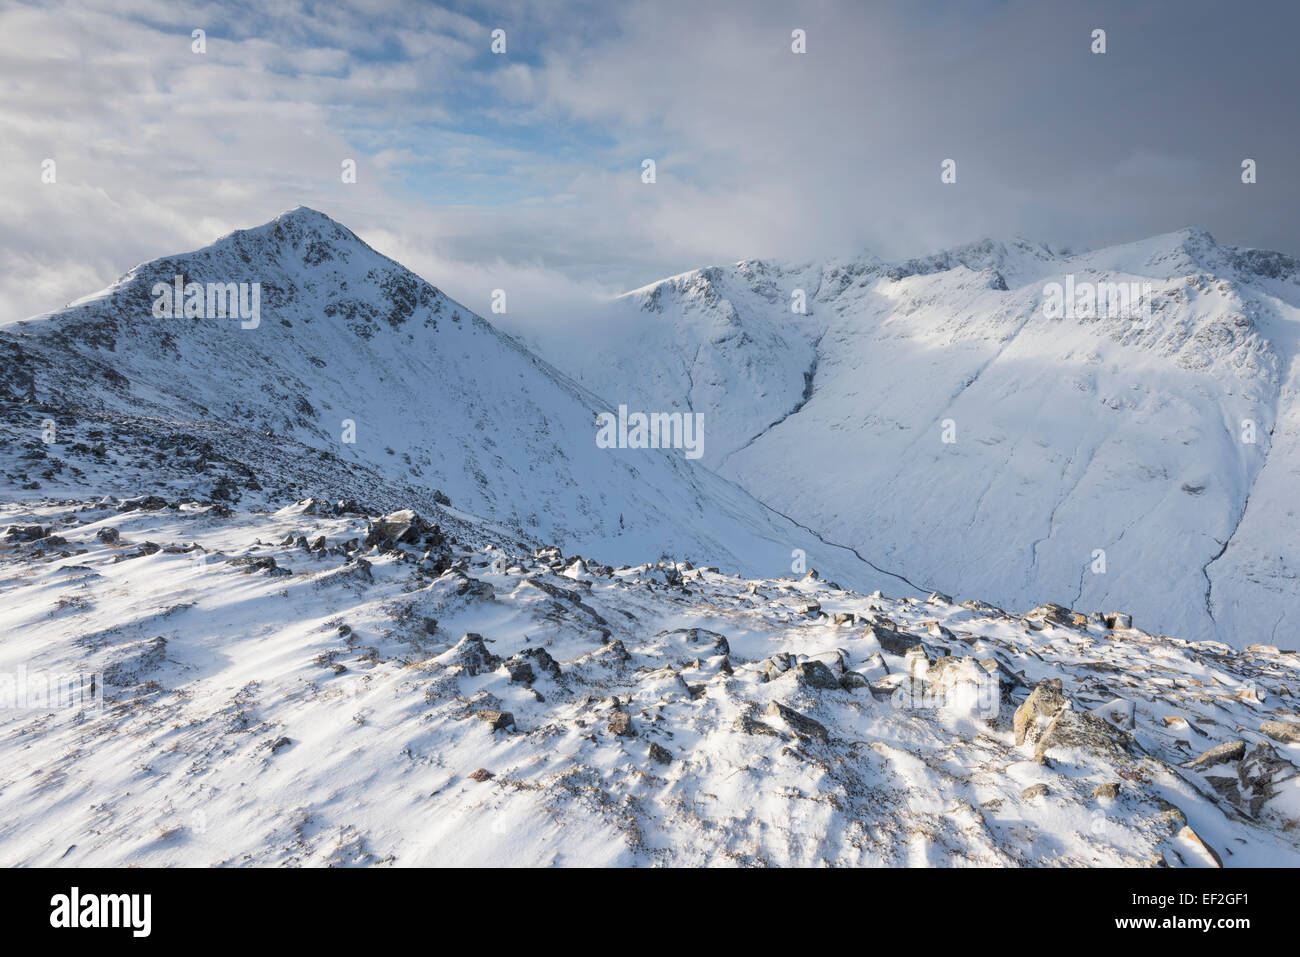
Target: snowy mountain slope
277 692
742 374
1072 437
349 340
286 649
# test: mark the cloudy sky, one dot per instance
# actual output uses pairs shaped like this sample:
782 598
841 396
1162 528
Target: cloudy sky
522 170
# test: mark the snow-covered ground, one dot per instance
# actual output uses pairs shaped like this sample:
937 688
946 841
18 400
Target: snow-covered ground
332 703
474 636
1065 437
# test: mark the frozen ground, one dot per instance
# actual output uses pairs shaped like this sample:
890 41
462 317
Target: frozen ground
553 653
332 703
1066 437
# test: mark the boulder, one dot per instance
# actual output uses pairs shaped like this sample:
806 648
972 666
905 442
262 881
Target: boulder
891 642
471 654
802 725
620 723
1044 703
24 533
815 674
1057 614
748 725
498 720
1286 732
403 527
1223 753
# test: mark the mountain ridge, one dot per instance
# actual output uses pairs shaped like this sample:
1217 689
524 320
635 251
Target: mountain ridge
845 403
357 358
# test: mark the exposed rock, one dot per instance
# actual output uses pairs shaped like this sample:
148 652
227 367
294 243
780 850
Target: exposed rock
1076 729
1057 614
851 681
748 725
259 563
620 723
498 720
891 641
1035 791
802 725
1044 703
1219 754
1187 834
660 754
1252 783
146 503
481 775
1287 732
540 660
777 665
815 674
718 643
109 535
521 671
1108 791
403 527
471 654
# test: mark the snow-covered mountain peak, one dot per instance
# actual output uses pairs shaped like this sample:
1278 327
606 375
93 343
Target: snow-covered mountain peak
351 365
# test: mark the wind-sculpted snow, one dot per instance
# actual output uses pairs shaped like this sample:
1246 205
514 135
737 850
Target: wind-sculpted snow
316 686
233 636
1163 448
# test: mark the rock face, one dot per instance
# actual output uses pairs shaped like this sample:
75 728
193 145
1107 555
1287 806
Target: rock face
1251 779
403 527
891 641
1057 614
620 723
1033 717
471 654
1287 732
1047 720
496 720
1229 751
802 725
815 674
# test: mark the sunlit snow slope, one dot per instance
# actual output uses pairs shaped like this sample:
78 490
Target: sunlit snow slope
440 400
1072 436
